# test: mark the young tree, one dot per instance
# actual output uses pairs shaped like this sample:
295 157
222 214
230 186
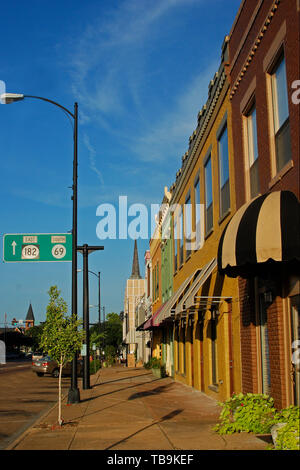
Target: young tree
61 337
113 330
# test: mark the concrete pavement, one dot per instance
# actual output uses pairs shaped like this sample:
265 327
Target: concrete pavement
130 409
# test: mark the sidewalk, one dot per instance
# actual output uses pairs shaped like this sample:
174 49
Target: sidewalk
130 409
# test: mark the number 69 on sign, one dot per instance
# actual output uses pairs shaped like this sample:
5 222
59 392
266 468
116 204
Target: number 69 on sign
59 251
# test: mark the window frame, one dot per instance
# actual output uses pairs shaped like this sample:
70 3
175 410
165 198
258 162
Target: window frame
270 68
188 236
197 213
175 238
208 159
181 237
251 169
279 127
223 186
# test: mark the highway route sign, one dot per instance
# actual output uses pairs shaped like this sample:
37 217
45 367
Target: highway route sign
34 247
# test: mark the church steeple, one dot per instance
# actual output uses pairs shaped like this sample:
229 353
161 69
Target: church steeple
29 321
135 273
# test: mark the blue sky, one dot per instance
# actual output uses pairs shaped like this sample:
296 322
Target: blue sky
139 70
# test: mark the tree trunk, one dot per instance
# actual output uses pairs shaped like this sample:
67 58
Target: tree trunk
59 395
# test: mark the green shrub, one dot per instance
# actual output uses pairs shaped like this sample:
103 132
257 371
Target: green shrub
95 365
247 413
288 437
153 363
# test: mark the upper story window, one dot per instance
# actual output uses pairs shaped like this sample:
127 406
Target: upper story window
280 110
252 151
197 212
148 281
208 195
224 171
175 244
188 225
154 282
180 238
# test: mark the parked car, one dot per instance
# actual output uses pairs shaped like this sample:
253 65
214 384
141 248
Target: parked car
37 355
46 365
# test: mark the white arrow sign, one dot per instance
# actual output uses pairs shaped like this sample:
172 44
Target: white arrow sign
14 247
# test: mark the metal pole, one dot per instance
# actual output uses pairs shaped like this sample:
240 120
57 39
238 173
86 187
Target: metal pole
103 328
99 303
86 250
74 395
86 320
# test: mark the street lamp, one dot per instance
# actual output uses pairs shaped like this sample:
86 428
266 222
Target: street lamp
7 98
99 296
86 250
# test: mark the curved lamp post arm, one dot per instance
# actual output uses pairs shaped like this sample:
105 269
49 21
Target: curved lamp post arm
52 102
9 98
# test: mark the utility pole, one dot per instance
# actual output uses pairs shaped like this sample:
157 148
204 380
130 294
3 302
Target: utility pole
99 303
86 250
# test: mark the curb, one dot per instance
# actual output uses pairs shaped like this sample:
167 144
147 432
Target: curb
27 431
40 418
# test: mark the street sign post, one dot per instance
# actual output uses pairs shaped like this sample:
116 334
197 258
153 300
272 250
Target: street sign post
42 247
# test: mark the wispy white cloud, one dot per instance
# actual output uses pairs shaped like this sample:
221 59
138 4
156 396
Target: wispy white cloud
108 62
110 76
170 132
92 157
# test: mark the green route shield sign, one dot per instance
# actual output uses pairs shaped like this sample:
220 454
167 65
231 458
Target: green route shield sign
37 247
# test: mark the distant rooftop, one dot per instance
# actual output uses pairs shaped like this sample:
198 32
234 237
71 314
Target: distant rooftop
30 316
135 272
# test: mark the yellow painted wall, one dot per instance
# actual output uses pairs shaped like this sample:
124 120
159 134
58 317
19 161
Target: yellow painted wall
201 257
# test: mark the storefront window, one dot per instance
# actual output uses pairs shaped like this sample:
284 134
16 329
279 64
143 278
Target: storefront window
264 347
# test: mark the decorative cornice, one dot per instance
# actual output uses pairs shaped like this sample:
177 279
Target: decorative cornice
254 48
216 86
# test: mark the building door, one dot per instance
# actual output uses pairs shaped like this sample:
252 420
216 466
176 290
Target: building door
295 325
264 347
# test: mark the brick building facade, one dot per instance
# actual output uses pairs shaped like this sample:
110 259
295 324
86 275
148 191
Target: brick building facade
263 65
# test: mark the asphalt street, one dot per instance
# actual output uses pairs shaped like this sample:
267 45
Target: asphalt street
23 398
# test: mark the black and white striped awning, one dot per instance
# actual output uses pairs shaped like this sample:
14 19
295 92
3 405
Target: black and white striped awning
262 232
